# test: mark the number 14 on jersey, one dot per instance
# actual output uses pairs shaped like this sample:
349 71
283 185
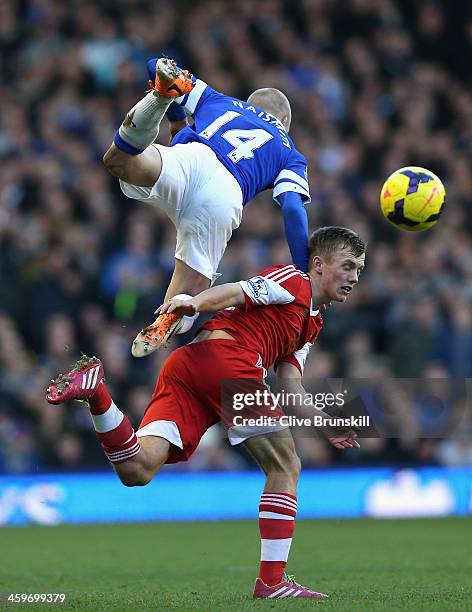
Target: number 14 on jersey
245 142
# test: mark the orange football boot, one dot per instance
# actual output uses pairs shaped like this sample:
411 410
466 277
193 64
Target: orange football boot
155 335
170 81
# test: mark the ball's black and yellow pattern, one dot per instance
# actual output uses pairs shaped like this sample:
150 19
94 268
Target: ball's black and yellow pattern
413 199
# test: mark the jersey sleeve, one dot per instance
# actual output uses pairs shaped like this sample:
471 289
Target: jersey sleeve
277 286
293 178
297 358
200 94
175 112
296 227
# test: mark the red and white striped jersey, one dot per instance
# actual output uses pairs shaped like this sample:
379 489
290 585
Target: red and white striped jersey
277 320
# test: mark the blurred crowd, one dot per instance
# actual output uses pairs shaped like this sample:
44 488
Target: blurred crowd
374 85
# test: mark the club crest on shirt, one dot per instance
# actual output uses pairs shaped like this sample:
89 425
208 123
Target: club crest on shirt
258 286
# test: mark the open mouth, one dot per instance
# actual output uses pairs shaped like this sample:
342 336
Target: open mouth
346 289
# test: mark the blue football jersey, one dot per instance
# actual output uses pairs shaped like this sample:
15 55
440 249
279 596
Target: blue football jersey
252 144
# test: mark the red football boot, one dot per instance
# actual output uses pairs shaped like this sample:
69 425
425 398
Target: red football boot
78 384
286 588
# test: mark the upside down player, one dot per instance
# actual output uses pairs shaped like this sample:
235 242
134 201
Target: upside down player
233 151
273 323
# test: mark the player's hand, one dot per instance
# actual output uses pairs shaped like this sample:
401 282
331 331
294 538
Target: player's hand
179 307
342 442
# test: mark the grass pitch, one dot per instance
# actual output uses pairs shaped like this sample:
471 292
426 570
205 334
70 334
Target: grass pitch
363 565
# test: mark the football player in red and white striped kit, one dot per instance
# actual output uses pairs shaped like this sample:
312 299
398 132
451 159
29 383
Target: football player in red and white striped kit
269 320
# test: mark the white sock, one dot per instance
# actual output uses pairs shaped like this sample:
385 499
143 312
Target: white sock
108 420
141 125
186 322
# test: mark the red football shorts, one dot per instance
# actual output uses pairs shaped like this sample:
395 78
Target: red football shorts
190 387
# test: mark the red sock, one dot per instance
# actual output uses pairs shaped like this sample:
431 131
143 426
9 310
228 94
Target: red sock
276 525
114 430
100 400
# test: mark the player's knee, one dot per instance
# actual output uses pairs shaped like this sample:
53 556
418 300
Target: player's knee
138 478
297 467
293 467
113 162
287 464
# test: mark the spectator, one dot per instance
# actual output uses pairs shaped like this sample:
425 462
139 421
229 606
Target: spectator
374 86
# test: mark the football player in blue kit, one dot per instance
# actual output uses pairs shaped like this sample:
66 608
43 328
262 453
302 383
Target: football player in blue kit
211 170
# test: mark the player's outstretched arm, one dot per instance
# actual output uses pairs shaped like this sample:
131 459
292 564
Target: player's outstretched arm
296 227
289 380
210 300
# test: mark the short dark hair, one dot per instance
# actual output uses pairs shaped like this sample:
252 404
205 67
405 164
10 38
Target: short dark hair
325 241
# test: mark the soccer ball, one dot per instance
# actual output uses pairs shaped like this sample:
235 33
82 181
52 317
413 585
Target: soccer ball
413 199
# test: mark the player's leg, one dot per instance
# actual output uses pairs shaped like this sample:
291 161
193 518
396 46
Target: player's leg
135 460
275 453
186 280
208 216
128 157
277 457
142 170
185 283
140 469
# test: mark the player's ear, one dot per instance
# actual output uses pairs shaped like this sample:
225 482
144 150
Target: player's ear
317 264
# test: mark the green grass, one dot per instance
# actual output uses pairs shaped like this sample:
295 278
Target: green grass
363 565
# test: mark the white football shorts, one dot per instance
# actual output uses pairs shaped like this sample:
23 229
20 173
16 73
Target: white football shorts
202 199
